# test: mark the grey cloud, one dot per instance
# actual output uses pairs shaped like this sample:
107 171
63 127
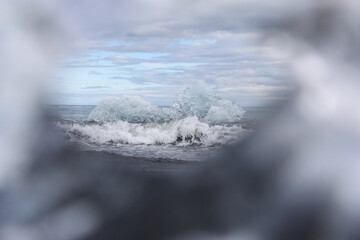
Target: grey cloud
236 55
140 18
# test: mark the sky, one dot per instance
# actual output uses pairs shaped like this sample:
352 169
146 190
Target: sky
155 48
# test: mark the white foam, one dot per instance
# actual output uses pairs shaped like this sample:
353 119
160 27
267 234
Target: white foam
187 131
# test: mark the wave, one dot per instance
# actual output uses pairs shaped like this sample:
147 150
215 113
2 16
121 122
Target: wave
198 117
198 101
183 132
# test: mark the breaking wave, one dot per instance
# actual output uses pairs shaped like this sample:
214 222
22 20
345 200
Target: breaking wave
198 101
199 117
183 132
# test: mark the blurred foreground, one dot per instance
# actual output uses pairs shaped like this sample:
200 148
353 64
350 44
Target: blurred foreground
294 178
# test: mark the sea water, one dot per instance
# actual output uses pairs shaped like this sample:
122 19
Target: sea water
195 127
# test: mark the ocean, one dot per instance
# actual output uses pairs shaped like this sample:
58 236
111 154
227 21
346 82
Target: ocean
111 137
194 128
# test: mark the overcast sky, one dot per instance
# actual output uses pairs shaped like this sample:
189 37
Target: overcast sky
156 48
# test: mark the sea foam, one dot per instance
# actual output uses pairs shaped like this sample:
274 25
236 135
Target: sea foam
187 131
198 117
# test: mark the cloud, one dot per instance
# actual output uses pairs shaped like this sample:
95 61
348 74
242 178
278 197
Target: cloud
118 58
178 42
95 87
95 73
255 88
